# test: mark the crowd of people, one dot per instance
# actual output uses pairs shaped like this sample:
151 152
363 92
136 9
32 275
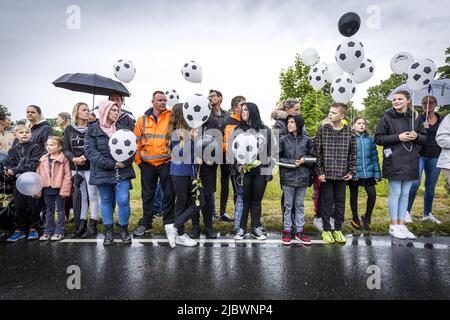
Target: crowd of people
180 186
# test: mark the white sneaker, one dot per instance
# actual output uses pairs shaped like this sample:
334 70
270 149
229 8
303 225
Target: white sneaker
408 218
332 223
240 235
408 234
431 218
186 241
318 224
171 233
396 231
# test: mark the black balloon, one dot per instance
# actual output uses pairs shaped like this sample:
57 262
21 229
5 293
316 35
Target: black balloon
349 24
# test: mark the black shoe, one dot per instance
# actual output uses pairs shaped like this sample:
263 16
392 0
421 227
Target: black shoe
264 231
91 229
81 229
140 231
109 235
365 223
356 223
195 232
210 234
226 218
126 238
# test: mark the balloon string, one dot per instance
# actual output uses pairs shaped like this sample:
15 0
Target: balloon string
117 179
315 111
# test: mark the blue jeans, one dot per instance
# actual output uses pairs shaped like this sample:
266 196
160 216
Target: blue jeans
53 199
159 197
122 195
398 198
431 177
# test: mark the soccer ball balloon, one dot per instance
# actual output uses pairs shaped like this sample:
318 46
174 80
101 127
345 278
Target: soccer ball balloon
192 72
349 55
29 183
172 98
124 70
401 61
364 72
317 76
342 89
245 148
196 110
332 72
420 74
122 145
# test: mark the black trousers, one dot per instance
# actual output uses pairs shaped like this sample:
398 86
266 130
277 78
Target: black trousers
149 180
333 192
184 205
27 214
371 199
225 177
254 188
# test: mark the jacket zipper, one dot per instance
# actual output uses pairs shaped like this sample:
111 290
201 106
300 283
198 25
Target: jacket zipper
363 157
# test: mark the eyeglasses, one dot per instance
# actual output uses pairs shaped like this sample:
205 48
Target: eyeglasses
212 96
430 102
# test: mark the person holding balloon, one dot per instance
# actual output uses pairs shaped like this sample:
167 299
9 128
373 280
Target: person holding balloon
54 170
112 177
24 158
401 144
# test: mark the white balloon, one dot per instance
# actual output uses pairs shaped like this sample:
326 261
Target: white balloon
122 145
364 72
343 89
29 183
401 61
172 98
124 70
192 72
196 110
332 72
317 76
310 57
350 54
420 74
245 148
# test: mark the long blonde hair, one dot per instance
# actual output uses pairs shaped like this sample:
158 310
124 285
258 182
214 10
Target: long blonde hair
75 112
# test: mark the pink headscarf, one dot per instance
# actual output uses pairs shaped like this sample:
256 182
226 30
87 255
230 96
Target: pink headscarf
103 110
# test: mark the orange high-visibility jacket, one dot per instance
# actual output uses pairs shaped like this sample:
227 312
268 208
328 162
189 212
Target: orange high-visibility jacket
151 138
230 124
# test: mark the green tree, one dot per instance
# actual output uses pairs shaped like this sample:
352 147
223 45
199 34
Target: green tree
376 102
444 71
314 105
4 110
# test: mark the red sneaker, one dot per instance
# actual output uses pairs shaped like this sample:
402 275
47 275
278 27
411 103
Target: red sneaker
286 238
304 239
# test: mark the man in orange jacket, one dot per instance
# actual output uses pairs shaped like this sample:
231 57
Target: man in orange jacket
154 161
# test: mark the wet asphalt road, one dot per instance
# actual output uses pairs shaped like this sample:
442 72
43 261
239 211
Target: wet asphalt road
224 270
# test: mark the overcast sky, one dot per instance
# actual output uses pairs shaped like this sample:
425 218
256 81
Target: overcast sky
242 45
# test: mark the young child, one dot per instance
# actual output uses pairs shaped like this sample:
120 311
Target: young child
24 157
294 181
336 164
368 173
55 171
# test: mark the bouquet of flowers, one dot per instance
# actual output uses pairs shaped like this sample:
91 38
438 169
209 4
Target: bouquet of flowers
196 190
249 166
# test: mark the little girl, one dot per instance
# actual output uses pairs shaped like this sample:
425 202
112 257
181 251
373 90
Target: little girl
54 169
368 173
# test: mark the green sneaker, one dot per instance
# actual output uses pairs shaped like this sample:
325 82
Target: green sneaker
339 237
327 237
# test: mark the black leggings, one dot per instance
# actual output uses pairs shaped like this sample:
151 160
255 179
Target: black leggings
184 205
371 198
254 188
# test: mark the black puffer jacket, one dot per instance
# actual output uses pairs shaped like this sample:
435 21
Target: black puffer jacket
400 159
24 157
74 146
101 162
293 148
40 133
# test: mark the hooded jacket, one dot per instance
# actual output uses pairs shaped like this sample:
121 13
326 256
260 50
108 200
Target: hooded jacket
400 159
24 157
292 148
59 177
40 133
367 162
74 146
102 164
280 122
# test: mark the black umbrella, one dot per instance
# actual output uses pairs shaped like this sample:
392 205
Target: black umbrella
91 83
77 180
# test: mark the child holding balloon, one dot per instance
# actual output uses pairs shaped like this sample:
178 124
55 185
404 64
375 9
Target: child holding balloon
56 176
22 158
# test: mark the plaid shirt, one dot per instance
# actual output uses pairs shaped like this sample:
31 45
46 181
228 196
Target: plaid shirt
336 152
